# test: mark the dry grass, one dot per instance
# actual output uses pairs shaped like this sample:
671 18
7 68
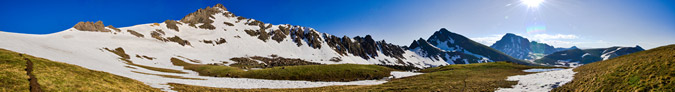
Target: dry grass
56 76
454 78
168 76
228 24
207 26
149 58
125 57
646 71
112 27
268 62
135 33
119 52
338 72
12 74
129 62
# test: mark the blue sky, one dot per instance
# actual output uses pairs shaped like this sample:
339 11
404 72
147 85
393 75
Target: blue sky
562 23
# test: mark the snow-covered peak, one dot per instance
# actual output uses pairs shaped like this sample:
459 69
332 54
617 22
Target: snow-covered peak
211 35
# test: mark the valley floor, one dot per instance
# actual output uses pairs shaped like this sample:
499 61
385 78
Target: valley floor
57 76
454 78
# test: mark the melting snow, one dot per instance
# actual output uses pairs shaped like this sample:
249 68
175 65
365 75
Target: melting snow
539 82
542 70
399 74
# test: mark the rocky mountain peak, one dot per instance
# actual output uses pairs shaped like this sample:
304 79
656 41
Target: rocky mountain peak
220 6
514 45
514 37
91 26
441 35
415 44
510 35
203 16
638 47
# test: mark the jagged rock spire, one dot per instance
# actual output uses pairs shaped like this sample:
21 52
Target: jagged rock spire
220 6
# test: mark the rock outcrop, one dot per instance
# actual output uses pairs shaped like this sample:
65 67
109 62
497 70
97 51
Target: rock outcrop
91 26
203 16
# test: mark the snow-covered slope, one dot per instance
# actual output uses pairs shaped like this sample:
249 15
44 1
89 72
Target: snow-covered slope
540 82
210 35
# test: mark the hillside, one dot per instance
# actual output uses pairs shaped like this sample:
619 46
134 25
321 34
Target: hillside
52 76
576 57
650 70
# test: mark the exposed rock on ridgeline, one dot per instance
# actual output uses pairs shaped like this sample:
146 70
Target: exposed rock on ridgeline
171 24
135 33
365 47
208 18
203 16
112 27
91 26
158 34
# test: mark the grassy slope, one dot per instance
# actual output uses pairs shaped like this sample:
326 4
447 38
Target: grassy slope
454 78
651 70
12 74
56 76
335 72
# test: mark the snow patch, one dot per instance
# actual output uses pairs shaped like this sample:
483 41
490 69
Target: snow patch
542 70
399 74
539 82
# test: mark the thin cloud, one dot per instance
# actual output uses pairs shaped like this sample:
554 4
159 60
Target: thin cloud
556 36
489 40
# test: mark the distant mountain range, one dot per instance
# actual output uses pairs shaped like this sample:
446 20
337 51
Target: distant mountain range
521 48
217 43
574 57
649 71
454 48
544 54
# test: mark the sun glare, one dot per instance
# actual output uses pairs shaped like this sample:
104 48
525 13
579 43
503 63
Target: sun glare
532 3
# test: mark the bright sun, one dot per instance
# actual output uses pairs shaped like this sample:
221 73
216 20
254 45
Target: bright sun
532 3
